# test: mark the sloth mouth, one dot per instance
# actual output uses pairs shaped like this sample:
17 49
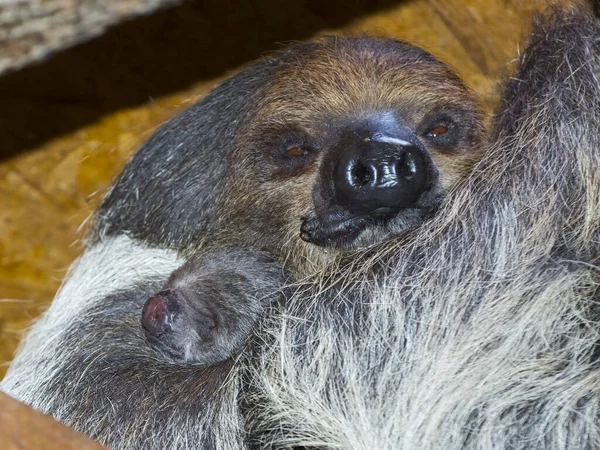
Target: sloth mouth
340 230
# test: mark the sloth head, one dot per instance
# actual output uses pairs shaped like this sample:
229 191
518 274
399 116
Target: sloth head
324 146
352 140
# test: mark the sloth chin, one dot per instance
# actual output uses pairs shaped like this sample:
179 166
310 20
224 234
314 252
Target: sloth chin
342 230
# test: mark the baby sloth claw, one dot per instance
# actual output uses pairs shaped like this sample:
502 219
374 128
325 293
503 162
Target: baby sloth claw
210 304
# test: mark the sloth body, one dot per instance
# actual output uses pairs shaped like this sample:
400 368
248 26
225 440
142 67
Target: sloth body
477 330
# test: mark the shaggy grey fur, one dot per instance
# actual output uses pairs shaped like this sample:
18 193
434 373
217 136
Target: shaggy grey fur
482 331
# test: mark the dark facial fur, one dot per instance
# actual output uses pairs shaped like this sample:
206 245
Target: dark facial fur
362 111
478 331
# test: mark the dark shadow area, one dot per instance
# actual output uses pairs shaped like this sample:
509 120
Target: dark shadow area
152 56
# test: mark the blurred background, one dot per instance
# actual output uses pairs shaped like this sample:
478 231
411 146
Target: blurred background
84 82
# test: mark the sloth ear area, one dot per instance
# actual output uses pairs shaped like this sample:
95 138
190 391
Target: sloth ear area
157 180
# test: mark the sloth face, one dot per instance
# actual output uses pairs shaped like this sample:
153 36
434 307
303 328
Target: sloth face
353 140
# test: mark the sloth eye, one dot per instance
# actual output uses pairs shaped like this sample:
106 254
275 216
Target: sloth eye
438 131
296 152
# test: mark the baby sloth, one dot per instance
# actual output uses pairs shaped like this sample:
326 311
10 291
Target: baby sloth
210 304
347 141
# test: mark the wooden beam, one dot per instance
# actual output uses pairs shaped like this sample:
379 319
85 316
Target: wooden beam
22 428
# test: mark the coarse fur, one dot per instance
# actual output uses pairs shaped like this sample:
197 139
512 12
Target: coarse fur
324 147
338 144
97 310
478 330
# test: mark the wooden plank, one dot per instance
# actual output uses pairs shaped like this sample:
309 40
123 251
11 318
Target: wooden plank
31 30
22 428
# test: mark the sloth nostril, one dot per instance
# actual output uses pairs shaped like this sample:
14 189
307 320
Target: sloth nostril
361 175
379 175
407 166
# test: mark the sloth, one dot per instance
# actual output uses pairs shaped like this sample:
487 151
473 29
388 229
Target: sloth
209 305
349 143
478 329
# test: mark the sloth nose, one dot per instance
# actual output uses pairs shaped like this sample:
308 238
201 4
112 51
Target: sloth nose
379 177
158 313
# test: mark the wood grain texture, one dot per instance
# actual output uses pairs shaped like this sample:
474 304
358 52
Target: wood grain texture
69 125
30 30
